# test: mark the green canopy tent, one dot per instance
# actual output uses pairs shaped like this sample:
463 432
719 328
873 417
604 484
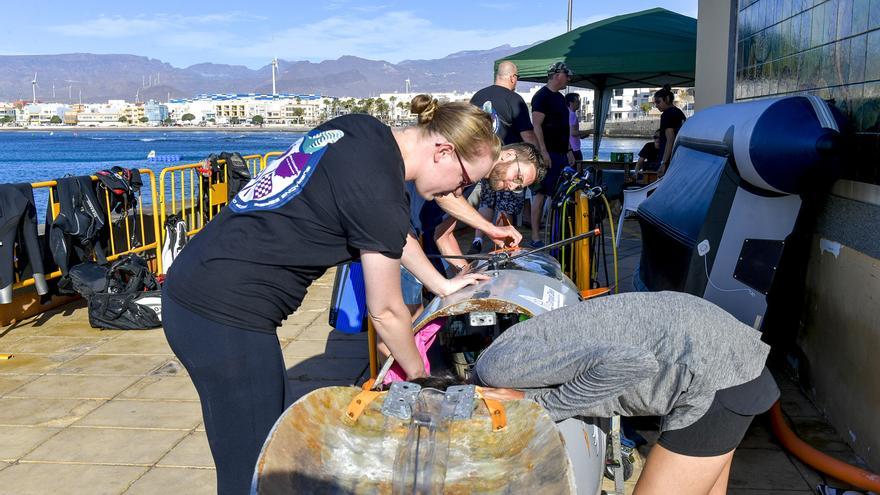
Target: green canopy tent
643 49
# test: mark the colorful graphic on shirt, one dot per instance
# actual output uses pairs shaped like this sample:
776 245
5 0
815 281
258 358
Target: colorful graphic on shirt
496 122
284 178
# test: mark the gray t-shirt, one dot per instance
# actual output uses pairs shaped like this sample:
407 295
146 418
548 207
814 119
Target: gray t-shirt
635 354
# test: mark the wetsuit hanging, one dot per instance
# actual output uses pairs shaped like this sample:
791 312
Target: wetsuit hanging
18 239
75 233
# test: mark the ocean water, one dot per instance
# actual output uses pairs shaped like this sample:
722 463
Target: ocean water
36 156
45 155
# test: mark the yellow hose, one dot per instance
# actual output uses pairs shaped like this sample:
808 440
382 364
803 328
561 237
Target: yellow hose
613 242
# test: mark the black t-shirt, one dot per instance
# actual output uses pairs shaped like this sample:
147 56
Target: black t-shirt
651 155
555 125
510 115
338 190
671 118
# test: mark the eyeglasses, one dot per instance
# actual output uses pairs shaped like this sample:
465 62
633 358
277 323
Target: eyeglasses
515 75
465 178
518 180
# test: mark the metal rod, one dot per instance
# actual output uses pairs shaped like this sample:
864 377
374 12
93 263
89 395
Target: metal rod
569 15
556 244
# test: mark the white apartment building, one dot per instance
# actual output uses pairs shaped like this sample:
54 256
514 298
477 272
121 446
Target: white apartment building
243 107
39 113
7 110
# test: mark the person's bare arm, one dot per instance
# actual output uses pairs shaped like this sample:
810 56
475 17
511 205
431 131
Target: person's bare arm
461 210
529 137
387 311
667 152
537 120
639 165
420 266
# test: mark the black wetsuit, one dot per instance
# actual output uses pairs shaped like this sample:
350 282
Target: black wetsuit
18 222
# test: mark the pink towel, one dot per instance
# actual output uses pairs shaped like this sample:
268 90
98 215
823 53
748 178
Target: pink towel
424 340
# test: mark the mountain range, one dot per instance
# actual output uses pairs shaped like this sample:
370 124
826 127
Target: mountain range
104 77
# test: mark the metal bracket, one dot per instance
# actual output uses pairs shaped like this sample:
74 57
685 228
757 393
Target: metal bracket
617 456
461 399
401 399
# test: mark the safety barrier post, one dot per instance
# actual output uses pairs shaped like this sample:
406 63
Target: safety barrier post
266 157
113 253
582 248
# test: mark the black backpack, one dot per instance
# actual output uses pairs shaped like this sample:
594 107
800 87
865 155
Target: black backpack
237 173
123 186
131 298
130 274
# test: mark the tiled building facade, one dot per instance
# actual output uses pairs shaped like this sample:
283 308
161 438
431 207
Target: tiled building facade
830 48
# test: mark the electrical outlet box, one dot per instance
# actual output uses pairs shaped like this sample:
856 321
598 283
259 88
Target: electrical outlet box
703 247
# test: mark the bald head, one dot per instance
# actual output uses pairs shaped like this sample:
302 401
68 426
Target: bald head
507 75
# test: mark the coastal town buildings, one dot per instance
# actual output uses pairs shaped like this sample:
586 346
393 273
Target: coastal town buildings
288 109
155 112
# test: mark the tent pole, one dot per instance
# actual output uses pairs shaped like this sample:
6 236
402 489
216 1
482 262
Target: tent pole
601 105
569 15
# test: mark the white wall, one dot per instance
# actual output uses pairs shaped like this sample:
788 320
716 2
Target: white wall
716 41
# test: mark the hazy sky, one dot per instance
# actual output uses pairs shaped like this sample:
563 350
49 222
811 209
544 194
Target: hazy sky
186 32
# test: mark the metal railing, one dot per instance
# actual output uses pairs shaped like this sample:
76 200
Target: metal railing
196 197
179 190
129 223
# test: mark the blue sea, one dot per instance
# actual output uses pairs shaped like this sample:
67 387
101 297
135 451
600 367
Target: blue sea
36 156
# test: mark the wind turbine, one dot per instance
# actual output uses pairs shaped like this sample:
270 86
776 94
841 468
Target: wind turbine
274 70
34 87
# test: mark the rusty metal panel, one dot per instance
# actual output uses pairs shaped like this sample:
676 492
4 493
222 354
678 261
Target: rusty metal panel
311 449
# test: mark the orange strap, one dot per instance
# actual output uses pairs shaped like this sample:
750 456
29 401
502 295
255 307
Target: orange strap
496 412
591 293
360 402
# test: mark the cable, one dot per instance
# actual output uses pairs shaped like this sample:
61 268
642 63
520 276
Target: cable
706 265
564 217
613 243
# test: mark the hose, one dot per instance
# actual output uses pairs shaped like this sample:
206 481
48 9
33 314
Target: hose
574 184
853 475
613 243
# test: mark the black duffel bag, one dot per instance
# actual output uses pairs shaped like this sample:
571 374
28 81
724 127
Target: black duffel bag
86 279
125 311
131 298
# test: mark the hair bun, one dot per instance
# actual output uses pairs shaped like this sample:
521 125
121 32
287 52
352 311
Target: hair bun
424 106
667 87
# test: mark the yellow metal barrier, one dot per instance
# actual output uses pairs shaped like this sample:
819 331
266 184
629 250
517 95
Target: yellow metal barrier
266 158
185 192
115 249
183 180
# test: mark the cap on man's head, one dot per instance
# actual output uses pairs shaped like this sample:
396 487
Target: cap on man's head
559 67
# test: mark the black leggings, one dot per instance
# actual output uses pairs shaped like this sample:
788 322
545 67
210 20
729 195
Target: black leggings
242 383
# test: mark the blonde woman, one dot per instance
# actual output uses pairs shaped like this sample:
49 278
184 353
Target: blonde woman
336 195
